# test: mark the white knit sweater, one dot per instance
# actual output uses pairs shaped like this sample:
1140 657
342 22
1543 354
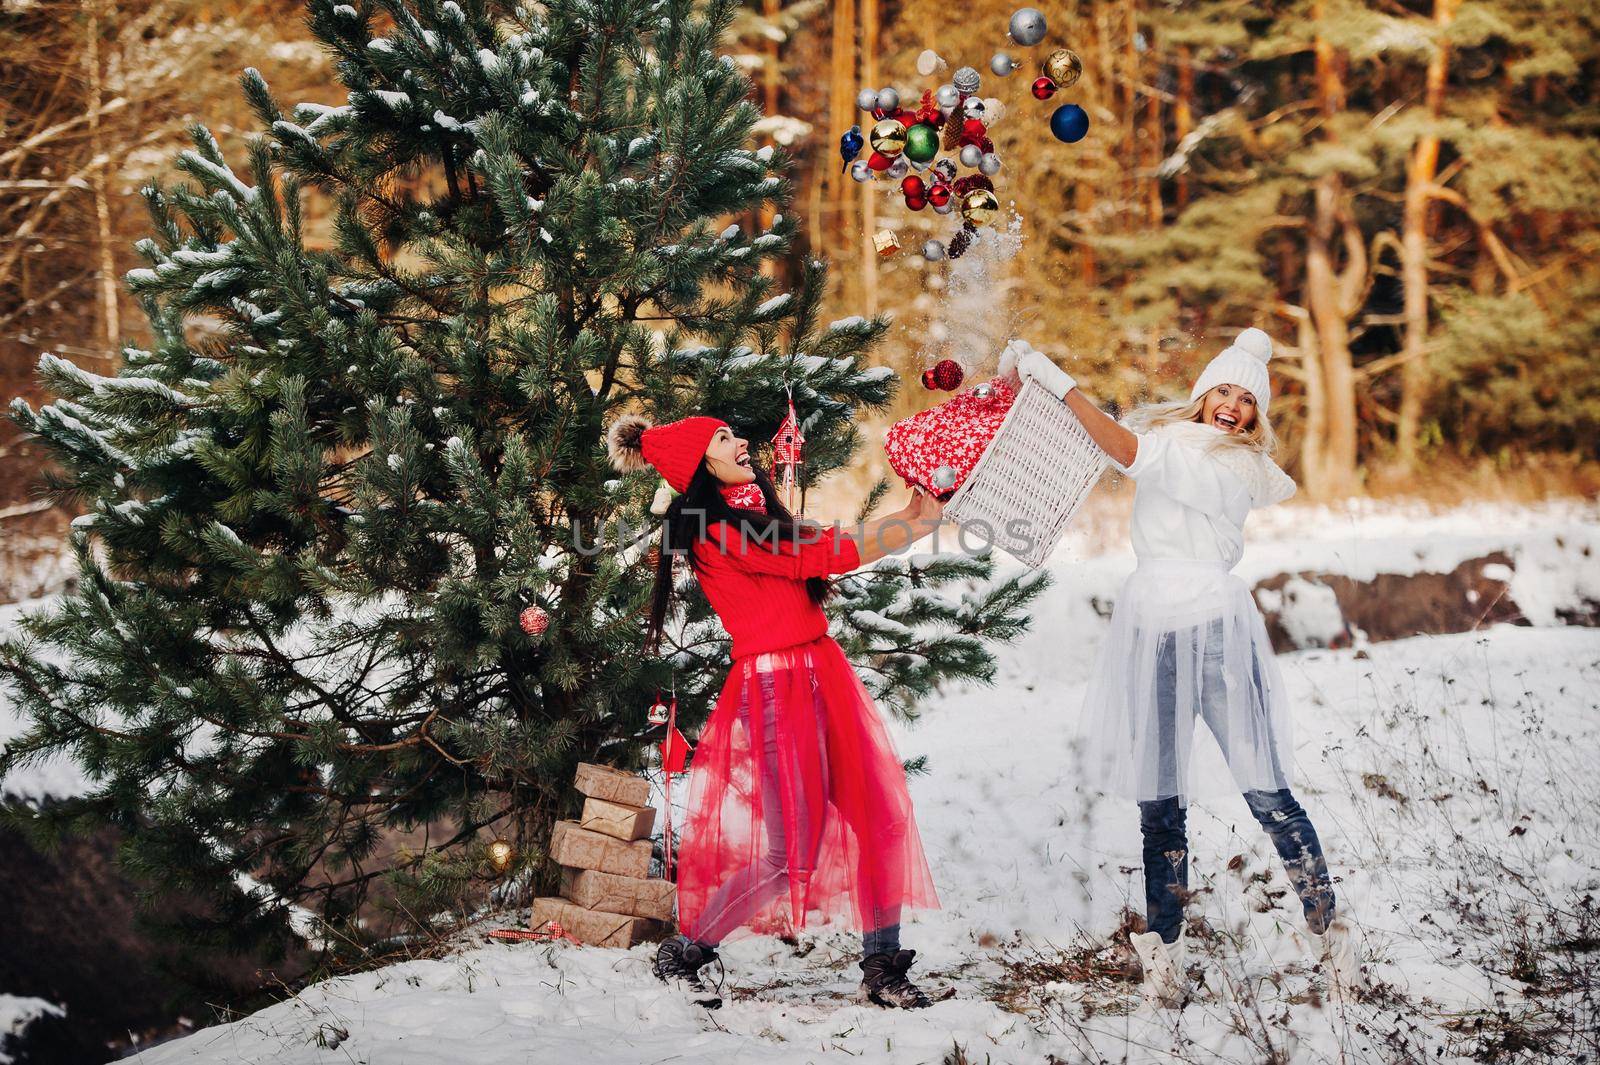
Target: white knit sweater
1193 495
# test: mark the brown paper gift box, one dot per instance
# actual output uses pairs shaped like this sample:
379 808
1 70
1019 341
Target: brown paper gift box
593 928
612 785
615 819
571 844
619 894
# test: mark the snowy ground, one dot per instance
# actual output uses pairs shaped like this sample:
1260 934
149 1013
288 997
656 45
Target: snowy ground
1450 778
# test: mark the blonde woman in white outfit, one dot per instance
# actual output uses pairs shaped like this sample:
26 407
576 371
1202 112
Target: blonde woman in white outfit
1187 642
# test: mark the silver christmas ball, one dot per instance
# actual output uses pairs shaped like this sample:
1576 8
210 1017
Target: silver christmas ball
867 99
947 96
973 108
888 99
1002 65
943 479
971 155
983 391
945 169
967 80
1028 26
944 208
989 164
932 250
860 170
898 169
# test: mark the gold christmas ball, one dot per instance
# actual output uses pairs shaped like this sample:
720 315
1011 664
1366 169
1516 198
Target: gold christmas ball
1063 67
888 138
980 206
500 854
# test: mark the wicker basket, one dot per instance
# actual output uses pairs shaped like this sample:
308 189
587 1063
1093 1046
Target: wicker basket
1031 479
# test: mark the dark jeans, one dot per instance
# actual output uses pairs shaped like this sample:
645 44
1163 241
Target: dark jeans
1166 858
1163 821
749 890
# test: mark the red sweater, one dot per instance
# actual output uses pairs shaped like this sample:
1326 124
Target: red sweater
757 587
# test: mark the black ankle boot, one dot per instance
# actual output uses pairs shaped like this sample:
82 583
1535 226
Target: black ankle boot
681 958
884 981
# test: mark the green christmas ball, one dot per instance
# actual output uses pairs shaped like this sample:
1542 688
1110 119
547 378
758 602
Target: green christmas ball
922 143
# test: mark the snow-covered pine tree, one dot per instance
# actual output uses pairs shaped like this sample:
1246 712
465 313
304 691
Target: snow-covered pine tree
353 452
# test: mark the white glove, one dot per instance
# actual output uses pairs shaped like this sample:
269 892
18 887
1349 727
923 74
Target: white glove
1035 364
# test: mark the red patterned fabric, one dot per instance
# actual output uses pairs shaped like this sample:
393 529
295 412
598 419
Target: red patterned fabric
954 434
744 496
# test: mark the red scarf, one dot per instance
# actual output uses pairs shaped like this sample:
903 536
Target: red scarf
744 496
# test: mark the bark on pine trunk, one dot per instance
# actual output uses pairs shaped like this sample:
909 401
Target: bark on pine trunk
110 317
1420 172
869 201
1329 292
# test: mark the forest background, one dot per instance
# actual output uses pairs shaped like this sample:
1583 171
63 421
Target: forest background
1402 193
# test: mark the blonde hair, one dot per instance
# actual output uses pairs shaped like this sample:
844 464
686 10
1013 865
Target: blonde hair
1259 437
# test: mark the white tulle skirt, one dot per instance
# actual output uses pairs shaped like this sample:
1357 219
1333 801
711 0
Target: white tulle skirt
1186 642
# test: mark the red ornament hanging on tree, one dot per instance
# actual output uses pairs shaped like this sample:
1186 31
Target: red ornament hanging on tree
534 621
788 461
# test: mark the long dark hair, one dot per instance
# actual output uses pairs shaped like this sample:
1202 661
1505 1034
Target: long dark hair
694 512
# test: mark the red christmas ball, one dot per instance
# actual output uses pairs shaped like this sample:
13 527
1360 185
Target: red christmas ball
534 621
947 375
916 203
879 161
927 380
939 195
913 186
973 131
1043 88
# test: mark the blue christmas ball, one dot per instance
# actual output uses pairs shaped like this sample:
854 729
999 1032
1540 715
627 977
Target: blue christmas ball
1069 123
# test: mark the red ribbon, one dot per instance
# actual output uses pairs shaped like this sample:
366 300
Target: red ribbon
674 756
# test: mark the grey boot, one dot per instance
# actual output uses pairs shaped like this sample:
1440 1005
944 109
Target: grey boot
884 981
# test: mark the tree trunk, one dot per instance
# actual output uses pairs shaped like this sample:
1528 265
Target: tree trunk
1313 465
835 221
1328 294
770 100
1151 156
1183 117
110 318
869 199
1423 165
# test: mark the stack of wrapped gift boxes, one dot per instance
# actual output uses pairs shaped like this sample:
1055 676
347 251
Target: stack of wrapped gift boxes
608 896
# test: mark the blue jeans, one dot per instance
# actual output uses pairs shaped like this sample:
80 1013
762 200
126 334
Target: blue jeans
1163 823
748 891
1166 858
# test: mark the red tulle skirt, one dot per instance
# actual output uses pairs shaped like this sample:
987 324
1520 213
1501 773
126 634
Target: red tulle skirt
797 805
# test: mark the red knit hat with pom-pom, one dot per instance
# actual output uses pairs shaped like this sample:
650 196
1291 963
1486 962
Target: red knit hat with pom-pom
674 449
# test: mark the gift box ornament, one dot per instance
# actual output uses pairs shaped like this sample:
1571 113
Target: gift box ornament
937 449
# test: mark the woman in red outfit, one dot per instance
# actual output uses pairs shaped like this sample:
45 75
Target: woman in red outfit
797 801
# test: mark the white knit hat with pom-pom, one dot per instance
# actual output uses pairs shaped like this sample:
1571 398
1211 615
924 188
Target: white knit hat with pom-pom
1243 363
